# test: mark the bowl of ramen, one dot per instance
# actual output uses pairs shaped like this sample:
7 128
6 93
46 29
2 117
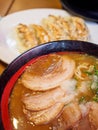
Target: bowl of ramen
53 86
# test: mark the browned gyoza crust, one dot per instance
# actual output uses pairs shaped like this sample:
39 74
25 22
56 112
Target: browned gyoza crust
51 28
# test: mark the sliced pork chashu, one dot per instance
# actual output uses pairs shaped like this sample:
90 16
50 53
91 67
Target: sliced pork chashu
71 115
44 116
48 72
84 124
93 115
43 100
90 120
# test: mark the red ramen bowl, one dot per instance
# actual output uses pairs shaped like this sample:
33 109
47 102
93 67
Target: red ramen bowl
16 68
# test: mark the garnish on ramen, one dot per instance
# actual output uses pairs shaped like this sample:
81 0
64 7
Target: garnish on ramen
58 91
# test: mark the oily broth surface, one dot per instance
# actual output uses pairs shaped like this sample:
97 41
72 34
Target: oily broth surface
16 111
17 116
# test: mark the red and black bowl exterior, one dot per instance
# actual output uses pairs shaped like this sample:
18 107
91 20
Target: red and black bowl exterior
15 69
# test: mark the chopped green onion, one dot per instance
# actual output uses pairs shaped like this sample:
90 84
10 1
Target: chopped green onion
95 71
95 98
88 73
82 99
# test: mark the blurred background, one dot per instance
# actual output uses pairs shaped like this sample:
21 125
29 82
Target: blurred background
10 6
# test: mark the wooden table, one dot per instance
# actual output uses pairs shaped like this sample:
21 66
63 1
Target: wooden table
11 6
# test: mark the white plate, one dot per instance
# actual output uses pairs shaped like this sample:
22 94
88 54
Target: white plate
8 51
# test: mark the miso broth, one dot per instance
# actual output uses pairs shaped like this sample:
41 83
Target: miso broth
78 100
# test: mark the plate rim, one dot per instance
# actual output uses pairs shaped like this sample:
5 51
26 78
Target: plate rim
34 9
